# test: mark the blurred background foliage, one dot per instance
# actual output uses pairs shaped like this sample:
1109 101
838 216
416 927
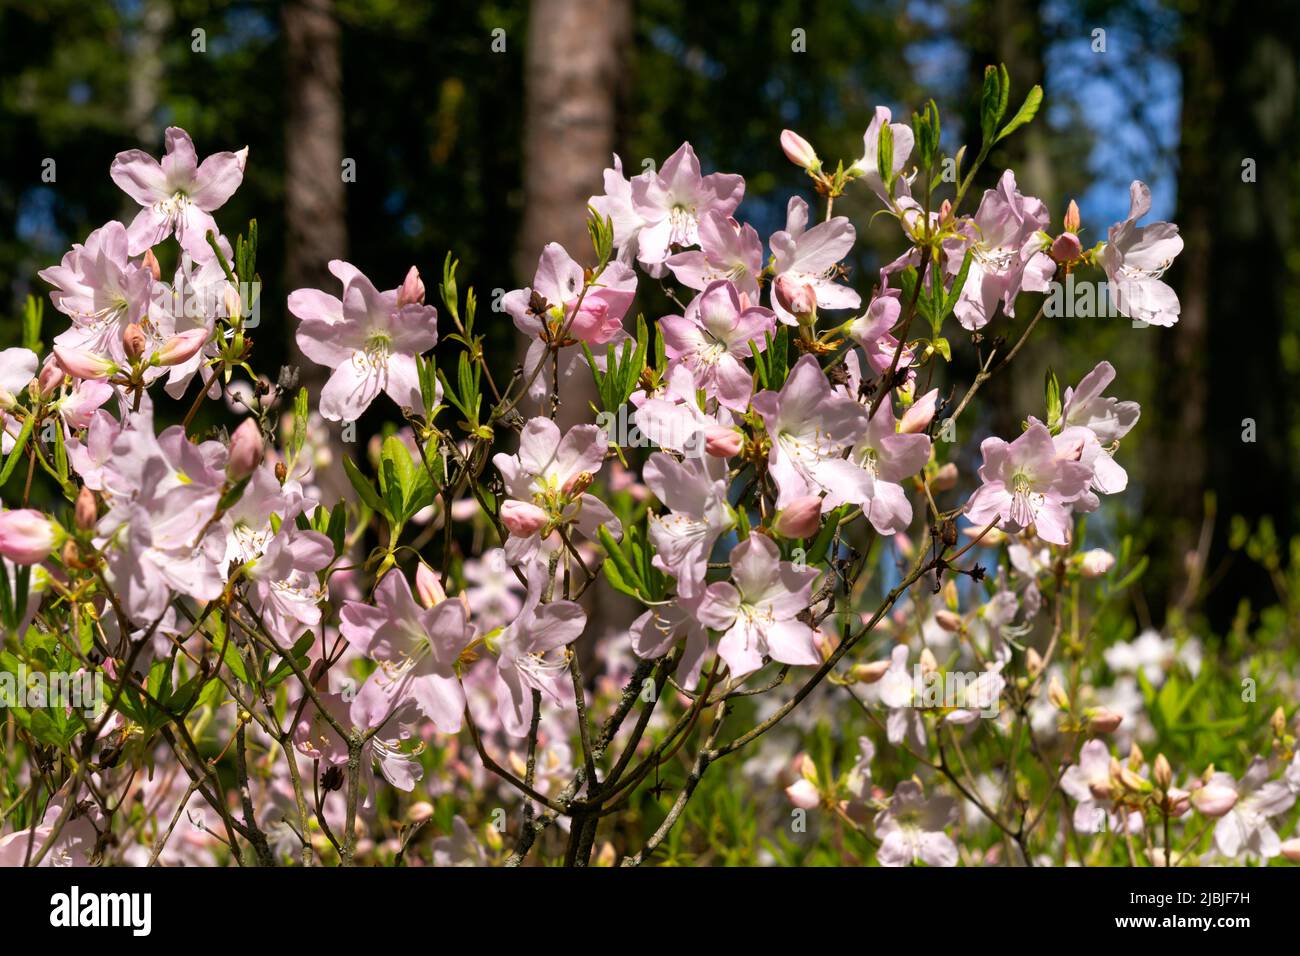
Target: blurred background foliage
480 128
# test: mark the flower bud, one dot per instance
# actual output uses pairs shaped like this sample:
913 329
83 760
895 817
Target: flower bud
929 664
947 620
1161 772
1132 780
1214 799
183 347
82 363
868 673
428 587
412 289
26 536
51 377
1033 662
803 794
1103 721
246 450
1095 563
1278 722
86 511
723 442
1177 801
945 479
1066 248
1291 849
133 340
798 150
578 484
800 519
419 812
1072 219
797 298
1057 695
150 262
917 418
521 518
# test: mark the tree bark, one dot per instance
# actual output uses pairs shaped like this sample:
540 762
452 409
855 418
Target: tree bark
316 228
1220 367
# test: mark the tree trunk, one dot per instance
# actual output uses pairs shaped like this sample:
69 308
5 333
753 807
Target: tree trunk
574 68
1224 413
316 229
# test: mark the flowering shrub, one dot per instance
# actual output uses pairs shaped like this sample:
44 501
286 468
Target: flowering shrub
764 494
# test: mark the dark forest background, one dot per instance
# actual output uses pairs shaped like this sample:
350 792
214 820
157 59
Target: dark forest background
481 128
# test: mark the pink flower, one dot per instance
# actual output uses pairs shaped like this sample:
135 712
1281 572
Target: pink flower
101 290
558 283
728 250
1025 483
872 331
911 828
367 338
759 612
1006 253
695 492
810 257
1246 825
673 202
179 349
284 587
673 419
26 536
179 194
868 167
17 369
883 459
1135 257
522 648
713 340
659 629
918 417
84 364
810 426
547 472
417 648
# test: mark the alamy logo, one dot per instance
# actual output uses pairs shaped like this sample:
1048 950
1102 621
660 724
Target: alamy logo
75 909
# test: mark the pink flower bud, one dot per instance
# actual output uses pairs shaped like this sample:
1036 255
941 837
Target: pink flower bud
151 263
798 150
183 347
521 518
412 290
869 673
947 620
51 377
82 363
722 442
801 519
917 418
803 794
1214 799
246 450
1095 563
945 478
797 298
86 512
428 586
1066 248
1291 849
133 340
26 536
1103 721
1072 219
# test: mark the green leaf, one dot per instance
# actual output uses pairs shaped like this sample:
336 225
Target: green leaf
363 487
1028 110
20 443
1052 390
622 565
33 314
